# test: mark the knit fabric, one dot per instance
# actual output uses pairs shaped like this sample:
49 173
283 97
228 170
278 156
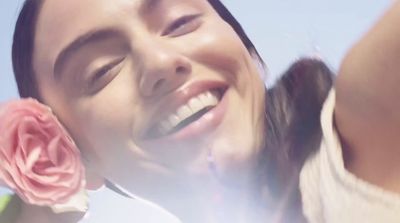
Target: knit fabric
332 194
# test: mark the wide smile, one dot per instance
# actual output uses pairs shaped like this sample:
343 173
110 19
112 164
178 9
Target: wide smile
193 110
196 113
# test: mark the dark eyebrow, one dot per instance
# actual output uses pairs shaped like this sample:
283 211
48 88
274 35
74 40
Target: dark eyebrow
91 36
145 7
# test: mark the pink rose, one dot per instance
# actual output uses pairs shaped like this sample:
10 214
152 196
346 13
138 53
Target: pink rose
38 159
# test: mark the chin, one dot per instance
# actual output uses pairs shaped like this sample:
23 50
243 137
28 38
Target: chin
232 160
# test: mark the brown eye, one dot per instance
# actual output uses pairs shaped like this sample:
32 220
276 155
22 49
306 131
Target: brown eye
183 25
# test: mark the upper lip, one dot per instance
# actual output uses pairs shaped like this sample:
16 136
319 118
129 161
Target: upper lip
180 97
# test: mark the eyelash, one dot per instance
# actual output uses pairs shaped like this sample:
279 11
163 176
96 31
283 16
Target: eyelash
105 69
181 22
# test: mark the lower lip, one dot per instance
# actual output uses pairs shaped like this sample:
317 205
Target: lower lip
206 124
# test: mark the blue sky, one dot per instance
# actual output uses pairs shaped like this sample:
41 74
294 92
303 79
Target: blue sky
282 30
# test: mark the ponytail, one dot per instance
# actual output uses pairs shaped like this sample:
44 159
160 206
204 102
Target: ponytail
293 133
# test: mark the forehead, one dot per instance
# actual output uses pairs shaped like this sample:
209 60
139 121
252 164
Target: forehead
61 21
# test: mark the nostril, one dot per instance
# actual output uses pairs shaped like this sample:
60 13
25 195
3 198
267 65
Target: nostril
181 70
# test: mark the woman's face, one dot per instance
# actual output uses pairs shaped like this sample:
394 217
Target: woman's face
151 90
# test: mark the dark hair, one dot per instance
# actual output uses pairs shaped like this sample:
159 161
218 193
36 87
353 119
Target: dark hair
293 108
293 133
23 47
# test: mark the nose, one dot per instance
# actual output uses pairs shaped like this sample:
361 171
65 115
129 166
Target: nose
164 70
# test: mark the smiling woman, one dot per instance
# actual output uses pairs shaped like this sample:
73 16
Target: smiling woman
172 85
165 99
169 84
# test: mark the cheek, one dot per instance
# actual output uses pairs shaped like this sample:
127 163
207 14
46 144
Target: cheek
106 119
217 47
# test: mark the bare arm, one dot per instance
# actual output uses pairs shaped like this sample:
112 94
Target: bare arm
367 110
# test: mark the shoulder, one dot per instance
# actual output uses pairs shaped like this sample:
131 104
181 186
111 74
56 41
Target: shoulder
367 111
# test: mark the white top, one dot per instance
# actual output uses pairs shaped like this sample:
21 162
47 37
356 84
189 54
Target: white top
332 194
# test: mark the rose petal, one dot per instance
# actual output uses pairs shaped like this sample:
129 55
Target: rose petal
39 159
78 202
32 158
53 150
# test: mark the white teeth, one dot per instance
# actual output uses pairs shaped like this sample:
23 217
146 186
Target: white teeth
174 120
184 111
194 105
204 97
